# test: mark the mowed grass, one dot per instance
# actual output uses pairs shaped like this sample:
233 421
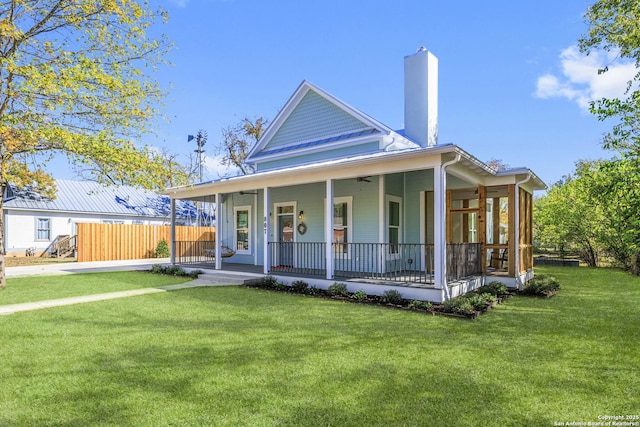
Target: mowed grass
234 356
39 288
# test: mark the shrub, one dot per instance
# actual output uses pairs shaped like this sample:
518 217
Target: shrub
542 286
195 273
279 286
171 270
391 296
300 286
314 290
489 298
420 305
338 289
360 295
493 288
458 306
162 249
477 301
268 282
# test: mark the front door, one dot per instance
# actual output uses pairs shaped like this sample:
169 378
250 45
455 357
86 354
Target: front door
285 224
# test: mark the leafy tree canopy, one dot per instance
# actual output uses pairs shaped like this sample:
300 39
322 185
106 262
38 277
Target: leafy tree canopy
75 80
614 25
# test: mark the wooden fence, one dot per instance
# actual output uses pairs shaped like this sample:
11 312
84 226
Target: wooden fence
106 242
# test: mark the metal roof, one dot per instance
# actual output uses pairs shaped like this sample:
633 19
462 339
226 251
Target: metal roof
92 198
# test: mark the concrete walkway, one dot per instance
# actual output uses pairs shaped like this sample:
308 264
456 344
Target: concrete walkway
208 278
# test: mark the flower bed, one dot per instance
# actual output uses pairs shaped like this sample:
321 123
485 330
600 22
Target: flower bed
468 306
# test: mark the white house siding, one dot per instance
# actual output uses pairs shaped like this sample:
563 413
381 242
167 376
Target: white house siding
314 118
20 227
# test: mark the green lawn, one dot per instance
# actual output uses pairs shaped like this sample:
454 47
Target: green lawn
38 288
233 356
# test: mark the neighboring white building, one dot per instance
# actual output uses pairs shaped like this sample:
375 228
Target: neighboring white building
32 221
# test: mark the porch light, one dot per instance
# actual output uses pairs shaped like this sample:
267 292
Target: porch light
301 215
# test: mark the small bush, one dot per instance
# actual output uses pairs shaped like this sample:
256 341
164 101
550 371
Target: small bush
278 286
268 282
314 290
477 301
493 288
489 298
360 295
391 296
338 289
171 270
300 286
195 273
420 305
542 286
458 306
162 249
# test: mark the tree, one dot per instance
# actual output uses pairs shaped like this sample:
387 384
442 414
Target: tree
615 186
614 25
74 80
238 141
568 219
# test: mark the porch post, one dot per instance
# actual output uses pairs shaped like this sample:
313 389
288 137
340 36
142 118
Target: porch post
382 238
266 226
172 236
328 230
439 227
218 223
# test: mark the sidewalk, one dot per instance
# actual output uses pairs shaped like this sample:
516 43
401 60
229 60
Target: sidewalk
208 278
85 267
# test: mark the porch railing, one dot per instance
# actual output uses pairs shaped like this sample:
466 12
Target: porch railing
405 262
306 258
195 252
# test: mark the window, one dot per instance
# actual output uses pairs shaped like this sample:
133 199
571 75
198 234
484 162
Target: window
394 223
342 225
242 224
43 229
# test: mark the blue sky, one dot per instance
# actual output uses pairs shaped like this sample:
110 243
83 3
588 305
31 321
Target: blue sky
512 86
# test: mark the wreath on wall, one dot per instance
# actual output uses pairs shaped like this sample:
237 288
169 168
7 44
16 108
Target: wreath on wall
302 228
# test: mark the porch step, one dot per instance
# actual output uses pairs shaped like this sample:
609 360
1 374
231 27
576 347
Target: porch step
227 279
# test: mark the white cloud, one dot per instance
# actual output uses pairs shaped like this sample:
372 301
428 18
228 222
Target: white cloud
215 169
580 81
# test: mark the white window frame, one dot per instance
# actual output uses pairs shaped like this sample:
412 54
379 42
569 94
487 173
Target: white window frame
388 199
235 229
37 228
349 201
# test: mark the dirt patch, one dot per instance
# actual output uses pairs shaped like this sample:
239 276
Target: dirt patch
21 261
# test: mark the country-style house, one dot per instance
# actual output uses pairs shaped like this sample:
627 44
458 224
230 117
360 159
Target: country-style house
339 196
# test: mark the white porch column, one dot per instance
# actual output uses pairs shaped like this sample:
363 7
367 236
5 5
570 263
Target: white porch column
218 223
172 231
439 227
382 267
266 225
328 230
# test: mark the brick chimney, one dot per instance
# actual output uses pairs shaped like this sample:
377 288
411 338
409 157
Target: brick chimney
421 97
